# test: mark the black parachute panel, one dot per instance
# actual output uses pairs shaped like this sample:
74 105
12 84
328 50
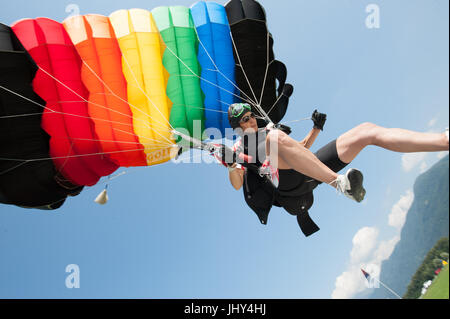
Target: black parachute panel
252 45
31 184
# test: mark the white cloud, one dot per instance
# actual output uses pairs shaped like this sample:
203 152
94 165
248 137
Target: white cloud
411 160
364 242
348 284
368 253
397 217
352 281
385 249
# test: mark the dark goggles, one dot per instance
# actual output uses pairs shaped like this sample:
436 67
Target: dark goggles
247 118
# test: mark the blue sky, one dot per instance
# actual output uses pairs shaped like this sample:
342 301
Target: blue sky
181 231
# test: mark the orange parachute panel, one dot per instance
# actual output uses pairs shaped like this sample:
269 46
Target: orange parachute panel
96 43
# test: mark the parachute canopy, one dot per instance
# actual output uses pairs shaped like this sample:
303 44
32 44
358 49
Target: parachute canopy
110 91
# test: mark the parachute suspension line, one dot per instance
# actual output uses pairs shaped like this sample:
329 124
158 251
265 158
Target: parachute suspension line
267 70
188 106
74 115
49 109
215 85
12 168
112 177
259 108
259 117
84 100
19 115
27 99
193 142
202 108
206 81
276 102
71 156
190 139
243 70
220 72
220 101
294 121
110 141
170 144
109 89
102 106
66 159
123 100
146 95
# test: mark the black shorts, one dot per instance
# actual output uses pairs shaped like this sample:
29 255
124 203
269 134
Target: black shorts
329 156
295 190
294 182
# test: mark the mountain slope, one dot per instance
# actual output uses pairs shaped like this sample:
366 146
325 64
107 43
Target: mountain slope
427 221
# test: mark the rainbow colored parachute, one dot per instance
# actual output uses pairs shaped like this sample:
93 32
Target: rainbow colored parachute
81 98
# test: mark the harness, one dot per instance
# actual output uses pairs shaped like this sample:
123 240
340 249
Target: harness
294 194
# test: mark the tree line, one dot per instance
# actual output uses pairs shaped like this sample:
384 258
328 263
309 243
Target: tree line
432 261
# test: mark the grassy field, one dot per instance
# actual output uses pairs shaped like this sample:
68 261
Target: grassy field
439 287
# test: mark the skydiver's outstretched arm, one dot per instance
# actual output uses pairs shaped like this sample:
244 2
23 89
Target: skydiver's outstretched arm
309 139
319 120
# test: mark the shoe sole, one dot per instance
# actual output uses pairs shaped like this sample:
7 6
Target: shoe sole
357 190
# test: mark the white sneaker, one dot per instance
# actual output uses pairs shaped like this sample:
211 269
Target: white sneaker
350 185
271 173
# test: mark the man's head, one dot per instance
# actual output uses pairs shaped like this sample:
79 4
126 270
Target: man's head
240 115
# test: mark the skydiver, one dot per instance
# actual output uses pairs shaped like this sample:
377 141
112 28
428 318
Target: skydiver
295 171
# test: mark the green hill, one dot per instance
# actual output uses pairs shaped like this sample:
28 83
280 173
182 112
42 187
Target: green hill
426 270
439 288
427 221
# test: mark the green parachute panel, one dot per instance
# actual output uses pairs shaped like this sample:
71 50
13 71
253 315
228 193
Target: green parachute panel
180 59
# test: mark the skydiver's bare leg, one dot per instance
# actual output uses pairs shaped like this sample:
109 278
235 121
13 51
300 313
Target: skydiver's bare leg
351 143
290 154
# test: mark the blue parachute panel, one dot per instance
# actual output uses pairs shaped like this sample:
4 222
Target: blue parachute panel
217 62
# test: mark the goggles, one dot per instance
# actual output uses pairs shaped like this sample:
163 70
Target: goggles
247 118
239 109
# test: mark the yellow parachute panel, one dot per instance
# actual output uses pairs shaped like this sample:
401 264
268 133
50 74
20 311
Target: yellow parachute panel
146 79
